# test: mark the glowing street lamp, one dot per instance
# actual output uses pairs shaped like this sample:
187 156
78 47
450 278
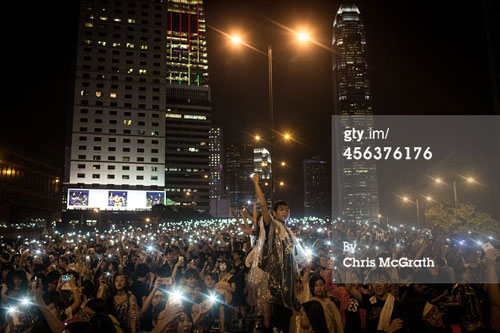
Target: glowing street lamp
407 199
469 180
301 36
257 138
236 39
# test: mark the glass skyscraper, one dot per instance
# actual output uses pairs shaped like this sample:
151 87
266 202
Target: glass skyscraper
187 143
356 180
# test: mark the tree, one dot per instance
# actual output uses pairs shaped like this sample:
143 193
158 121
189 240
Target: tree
462 219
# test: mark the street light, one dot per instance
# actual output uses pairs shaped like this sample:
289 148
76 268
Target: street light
236 39
301 36
257 138
468 180
380 216
406 199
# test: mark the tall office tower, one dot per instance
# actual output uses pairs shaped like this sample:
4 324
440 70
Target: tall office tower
117 159
187 153
216 164
316 188
239 167
357 197
262 164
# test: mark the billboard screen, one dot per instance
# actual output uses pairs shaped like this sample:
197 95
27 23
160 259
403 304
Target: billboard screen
78 198
155 198
115 200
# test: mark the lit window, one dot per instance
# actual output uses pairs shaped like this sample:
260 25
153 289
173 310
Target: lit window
195 116
117 19
89 24
103 18
142 71
144 47
173 115
112 95
131 20
98 94
116 44
130 45
127 122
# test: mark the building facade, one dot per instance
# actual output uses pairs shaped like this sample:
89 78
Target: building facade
355 180
316 187
262 164
187 155
118 127
29 188
141 115
216 163
239 166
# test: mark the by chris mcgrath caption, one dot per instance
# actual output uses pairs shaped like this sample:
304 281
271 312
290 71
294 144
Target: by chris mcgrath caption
383 262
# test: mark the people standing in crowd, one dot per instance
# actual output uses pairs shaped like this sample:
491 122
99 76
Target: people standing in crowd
128 279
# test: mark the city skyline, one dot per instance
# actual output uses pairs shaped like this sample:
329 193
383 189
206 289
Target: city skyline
431 84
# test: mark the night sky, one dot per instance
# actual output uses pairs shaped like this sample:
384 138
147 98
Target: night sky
425 57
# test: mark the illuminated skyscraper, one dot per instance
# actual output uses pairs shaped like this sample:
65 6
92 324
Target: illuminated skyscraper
262 164
216 164
188 109
356 180
117 156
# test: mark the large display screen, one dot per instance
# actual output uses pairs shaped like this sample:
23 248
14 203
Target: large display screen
108 199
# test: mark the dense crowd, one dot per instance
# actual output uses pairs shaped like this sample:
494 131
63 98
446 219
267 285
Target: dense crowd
197 276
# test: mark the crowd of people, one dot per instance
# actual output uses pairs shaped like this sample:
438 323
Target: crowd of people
257 272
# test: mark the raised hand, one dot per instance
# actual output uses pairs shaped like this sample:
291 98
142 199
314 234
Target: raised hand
255 177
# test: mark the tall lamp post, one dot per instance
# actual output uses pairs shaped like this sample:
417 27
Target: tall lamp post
469 180
302 37
271 114
428 198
